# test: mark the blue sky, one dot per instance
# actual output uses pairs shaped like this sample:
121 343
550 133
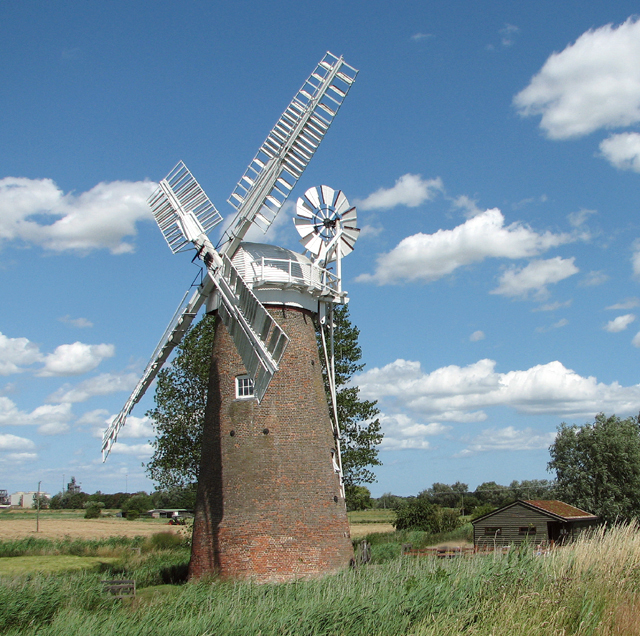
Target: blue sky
492 149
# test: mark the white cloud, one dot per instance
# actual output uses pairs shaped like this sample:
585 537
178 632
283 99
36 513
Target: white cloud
53 428
97 417
47 415
15 443
476 335
103 384
19 458
36 211
594 83
141 451
563 322
427 257
410 190
554 306
416 37
401 432
622 151
636 340
635 258
594 278
577 219
16 354
76 322
467 205
619 324
508 439
371 230
627 303
535 277
452 393
75 359
508 33
135 428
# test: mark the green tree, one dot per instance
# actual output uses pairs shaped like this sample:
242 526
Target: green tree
358 498
178 417
598 466
359 428
421 514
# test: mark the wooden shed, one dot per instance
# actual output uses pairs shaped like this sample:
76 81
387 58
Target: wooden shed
547 522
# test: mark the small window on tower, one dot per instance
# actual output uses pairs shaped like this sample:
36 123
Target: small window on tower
244 387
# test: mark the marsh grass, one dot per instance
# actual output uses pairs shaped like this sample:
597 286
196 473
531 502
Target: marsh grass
589 588
35 546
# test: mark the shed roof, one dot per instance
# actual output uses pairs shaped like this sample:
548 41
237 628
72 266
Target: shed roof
561 509
557 510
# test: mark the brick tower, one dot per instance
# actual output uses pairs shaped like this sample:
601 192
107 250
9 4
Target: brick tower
269 504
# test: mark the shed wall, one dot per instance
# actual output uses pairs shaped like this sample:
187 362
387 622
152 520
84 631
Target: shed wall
510 521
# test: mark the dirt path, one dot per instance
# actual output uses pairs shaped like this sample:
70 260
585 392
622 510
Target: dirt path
80 528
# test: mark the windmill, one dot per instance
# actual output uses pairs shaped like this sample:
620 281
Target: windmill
270 502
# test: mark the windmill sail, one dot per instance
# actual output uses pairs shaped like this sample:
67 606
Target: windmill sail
288 148
180 323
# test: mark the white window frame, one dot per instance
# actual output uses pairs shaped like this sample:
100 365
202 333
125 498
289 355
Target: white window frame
244 387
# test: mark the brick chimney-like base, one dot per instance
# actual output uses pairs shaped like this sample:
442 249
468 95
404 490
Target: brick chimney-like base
269 506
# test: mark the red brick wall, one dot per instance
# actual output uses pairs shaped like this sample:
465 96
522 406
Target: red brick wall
269 505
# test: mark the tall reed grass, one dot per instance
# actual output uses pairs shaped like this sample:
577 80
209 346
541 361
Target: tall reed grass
589 588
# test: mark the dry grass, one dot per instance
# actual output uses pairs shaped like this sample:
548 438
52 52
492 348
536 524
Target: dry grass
362 529
79 528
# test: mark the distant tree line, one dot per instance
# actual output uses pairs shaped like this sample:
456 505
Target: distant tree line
141 501
487 496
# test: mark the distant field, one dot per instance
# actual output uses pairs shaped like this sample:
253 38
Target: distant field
57 524
376 515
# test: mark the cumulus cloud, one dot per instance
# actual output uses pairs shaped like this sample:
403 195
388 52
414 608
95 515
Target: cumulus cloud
636 340
622 151
509 439
635 259
535 277
410 190
15 443
456 393
620 323
140 451
75 359
16 354
428 257
476 335
402 432
135 428
36 211
593 83
50 416
103 384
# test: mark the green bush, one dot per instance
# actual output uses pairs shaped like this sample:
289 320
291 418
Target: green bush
92 512
132 515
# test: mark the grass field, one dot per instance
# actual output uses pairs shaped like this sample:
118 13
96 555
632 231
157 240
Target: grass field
18 566
588 589
56 524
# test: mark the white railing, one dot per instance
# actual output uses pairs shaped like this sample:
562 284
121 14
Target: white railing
293 273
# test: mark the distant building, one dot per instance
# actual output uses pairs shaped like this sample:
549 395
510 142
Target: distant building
168 513
26 499
552 522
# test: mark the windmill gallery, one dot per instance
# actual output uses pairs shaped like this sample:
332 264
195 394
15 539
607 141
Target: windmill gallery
270 503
